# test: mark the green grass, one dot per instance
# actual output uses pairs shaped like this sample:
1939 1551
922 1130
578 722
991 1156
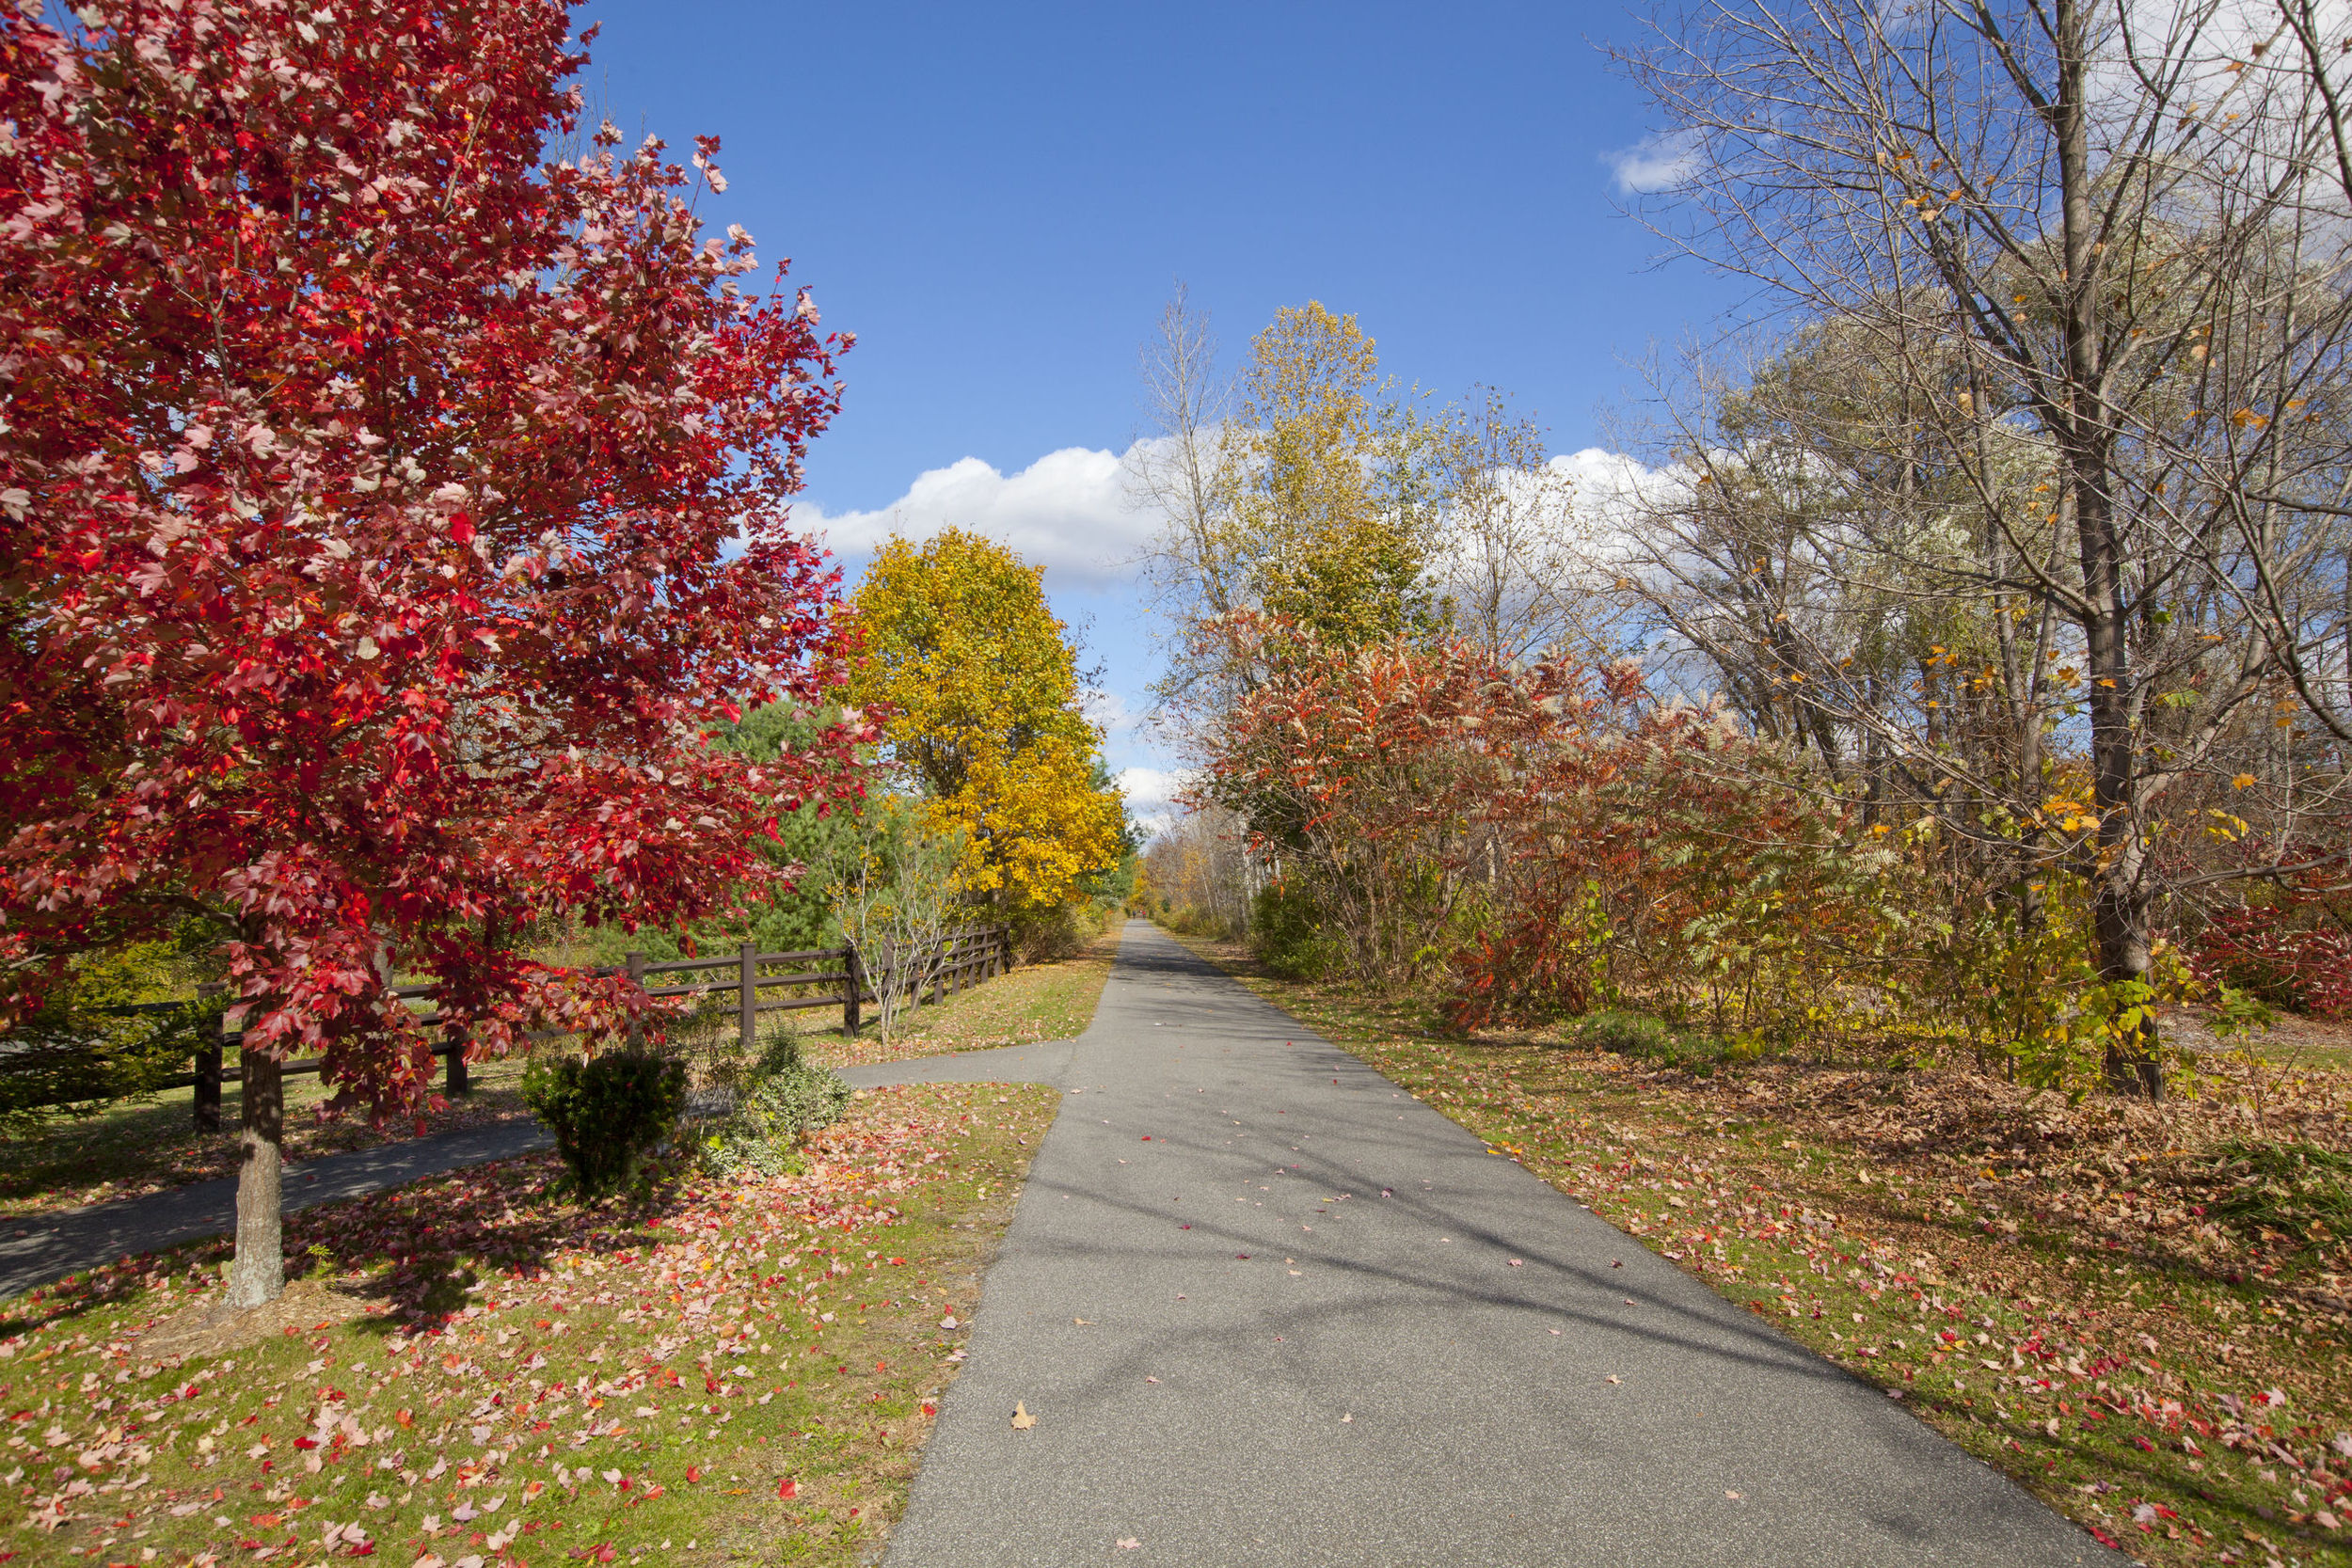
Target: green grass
706 1374
1050 1000
2294 1190
2128 1389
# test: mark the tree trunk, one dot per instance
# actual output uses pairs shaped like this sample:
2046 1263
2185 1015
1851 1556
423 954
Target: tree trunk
2087 448
259 1274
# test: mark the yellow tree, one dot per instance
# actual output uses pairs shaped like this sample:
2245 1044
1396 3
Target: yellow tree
1339 498
982 691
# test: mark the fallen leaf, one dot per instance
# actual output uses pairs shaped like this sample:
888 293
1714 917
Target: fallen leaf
1128 1543
1733 1496
1614 1380
1021 1419
788 1489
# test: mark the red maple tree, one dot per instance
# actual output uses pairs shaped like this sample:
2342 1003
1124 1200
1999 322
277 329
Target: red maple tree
391 510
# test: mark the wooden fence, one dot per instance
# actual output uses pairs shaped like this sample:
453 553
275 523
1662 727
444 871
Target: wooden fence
961 958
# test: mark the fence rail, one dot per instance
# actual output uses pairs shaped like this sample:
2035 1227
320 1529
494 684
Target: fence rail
960 959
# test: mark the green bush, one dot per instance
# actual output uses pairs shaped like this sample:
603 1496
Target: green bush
1286 931
781 1102
606 1112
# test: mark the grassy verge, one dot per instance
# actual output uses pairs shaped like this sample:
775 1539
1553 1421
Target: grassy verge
706 1373
140 1147
2039 1282
1050 1000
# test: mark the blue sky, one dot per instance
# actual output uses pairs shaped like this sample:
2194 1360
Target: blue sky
999 200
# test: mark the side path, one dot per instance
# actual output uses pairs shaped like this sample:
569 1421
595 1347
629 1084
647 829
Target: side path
1267 1309
41 1247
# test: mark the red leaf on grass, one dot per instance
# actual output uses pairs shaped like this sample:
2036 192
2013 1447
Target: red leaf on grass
788 1489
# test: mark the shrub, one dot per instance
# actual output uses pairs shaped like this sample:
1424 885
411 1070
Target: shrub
2262 952
103 1034
784 1099
1042 935
606 1112
1627 1034
1289 933
1193 920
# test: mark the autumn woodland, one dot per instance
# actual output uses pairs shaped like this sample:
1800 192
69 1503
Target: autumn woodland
1888 847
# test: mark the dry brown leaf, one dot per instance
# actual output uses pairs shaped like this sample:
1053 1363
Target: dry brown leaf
1021 1419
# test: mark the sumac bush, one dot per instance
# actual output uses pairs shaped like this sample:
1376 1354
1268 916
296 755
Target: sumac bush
2270 953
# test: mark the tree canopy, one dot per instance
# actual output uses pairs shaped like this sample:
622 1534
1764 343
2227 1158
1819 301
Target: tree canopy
979 691
392 514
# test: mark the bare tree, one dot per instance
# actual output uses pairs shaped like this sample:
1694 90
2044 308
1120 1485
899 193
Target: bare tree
2097 264
1199 867
1509 538
896 893
1184 470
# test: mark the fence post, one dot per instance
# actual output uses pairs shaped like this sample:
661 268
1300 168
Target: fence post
636 978
208 1066
747 998
458 1077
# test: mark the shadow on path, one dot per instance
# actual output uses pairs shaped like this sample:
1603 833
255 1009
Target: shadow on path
41 1247
1270 1309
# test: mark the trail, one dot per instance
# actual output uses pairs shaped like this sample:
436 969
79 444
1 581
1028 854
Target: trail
1269 1309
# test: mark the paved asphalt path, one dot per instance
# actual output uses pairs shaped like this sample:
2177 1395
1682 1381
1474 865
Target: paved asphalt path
1305 1340
37 1250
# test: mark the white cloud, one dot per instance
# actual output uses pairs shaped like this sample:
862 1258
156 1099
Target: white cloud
1658 162
1068 512
1150 794
1149 788
1605 482
1108 709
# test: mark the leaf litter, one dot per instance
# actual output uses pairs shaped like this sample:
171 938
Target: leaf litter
503 1374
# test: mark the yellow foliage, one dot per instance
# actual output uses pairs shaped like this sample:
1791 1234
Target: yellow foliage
981 691
1332 506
